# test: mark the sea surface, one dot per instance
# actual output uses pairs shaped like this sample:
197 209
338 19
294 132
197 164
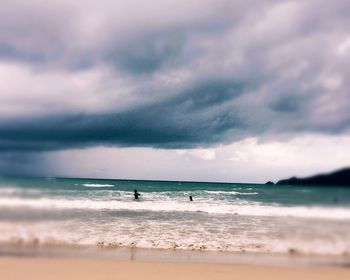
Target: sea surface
226 217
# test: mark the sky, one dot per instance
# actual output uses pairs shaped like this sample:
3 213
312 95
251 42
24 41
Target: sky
204 90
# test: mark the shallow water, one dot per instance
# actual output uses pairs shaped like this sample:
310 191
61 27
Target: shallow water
222 217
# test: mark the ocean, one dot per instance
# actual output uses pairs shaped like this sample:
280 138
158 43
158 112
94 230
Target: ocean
227 217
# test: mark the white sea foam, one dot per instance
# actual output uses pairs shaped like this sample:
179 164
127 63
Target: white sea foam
17 191
231 192
7 191
244 208
97 185
179 235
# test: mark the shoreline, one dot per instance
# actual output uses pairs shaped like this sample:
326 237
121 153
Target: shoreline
169 255
52 269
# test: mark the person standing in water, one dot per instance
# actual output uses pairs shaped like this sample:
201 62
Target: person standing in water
190 197
136 194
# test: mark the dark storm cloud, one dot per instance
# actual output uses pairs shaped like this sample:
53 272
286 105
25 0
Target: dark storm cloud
195 117
24 164
175 76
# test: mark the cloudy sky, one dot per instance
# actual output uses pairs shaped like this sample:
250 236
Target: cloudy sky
210 90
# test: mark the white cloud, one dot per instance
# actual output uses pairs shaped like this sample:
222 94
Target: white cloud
344 47
203 154
245 161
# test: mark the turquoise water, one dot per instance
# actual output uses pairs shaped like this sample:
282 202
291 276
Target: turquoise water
222 217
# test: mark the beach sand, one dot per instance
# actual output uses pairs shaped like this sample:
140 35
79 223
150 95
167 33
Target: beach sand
52 269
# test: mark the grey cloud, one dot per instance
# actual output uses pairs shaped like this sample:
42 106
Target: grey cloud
288 104
146 55
8 52
206 81
55 35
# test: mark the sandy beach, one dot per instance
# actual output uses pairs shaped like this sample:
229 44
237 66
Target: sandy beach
41 268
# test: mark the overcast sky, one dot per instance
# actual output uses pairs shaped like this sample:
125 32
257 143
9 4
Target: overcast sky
210 90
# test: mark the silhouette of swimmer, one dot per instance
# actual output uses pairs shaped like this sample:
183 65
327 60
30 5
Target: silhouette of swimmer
190 197
136 194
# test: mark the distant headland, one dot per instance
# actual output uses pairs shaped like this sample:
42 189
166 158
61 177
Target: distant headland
337 178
